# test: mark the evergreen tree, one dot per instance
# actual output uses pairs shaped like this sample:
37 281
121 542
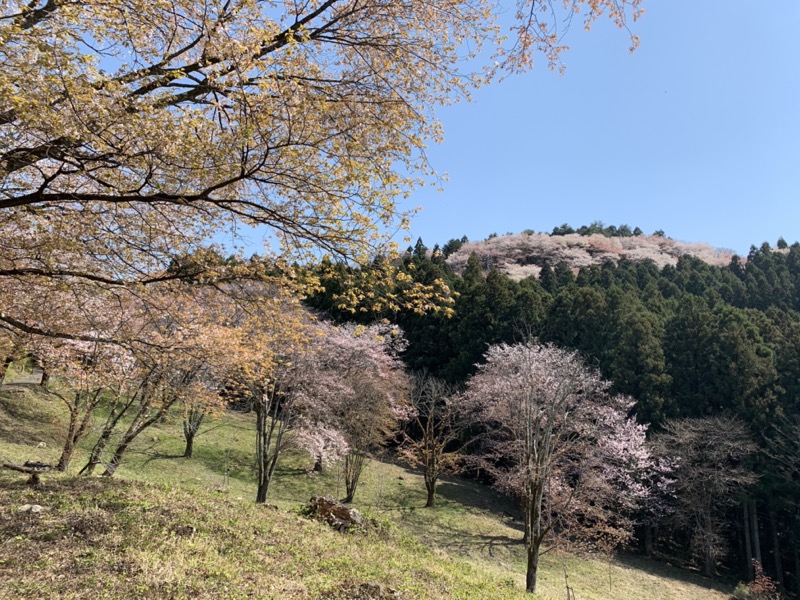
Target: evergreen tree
547 278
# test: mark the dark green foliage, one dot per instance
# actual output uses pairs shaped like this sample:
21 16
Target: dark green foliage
564 275
564 229
597 227
636 362
548 278
578 319
453 246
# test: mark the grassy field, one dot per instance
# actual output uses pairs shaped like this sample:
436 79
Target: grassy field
168 527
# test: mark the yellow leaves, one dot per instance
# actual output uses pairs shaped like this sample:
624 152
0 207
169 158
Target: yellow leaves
212 118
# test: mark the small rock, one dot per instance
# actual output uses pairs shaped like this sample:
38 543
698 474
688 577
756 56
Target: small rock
31 508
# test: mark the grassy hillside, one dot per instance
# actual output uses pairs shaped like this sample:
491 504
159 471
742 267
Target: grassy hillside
171 528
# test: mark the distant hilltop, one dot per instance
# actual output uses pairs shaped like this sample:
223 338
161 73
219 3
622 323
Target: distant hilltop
522 255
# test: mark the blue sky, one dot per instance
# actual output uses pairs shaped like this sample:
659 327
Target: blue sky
696 133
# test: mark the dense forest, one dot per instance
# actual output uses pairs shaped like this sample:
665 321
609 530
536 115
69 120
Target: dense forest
699 346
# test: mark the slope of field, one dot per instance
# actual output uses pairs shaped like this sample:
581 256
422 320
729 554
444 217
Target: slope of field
169 527
523 255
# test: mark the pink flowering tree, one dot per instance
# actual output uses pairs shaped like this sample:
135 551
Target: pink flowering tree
559 442
335 391
189 351
378 399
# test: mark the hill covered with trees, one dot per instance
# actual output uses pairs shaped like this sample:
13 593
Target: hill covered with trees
522 255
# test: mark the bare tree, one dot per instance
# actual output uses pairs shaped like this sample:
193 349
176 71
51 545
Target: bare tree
434 439
710 475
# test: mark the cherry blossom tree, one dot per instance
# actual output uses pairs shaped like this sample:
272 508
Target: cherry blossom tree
366 360
189 351
82 375
557 440
271 364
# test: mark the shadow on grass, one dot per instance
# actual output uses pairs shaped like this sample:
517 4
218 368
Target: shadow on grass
233 463
160 456
460 540
27 416
666 571
474 495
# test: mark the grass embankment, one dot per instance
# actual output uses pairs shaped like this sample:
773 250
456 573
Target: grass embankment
171 527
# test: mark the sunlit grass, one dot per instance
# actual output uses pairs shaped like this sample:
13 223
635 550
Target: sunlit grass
194 531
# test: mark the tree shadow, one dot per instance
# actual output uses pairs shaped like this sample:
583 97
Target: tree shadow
21 420
664 570
464 542
477 496
159 456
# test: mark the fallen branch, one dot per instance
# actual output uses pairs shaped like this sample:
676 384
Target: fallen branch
34 469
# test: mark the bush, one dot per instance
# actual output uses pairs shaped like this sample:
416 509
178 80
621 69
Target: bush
761 588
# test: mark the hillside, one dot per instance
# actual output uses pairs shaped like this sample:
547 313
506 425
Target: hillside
176 528
523 254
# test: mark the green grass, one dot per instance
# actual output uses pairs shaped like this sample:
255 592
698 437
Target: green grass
168 527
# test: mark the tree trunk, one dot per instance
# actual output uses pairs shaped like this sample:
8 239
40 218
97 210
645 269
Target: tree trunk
796 555
117 458
187 452
353 466
97 451
262 491
4 367
648 541
262 448
66 455
69 444
748 540
754 527
709 552
117 411
191 425
526 519
534 534
430 486
268 445
776 547
532 571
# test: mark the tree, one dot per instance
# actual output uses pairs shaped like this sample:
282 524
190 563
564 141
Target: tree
634 358
81 375
435 441
710 474
186 350
275 362
366 360
132 133
558 441
195 413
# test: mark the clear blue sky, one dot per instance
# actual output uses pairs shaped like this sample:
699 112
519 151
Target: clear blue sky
696 133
